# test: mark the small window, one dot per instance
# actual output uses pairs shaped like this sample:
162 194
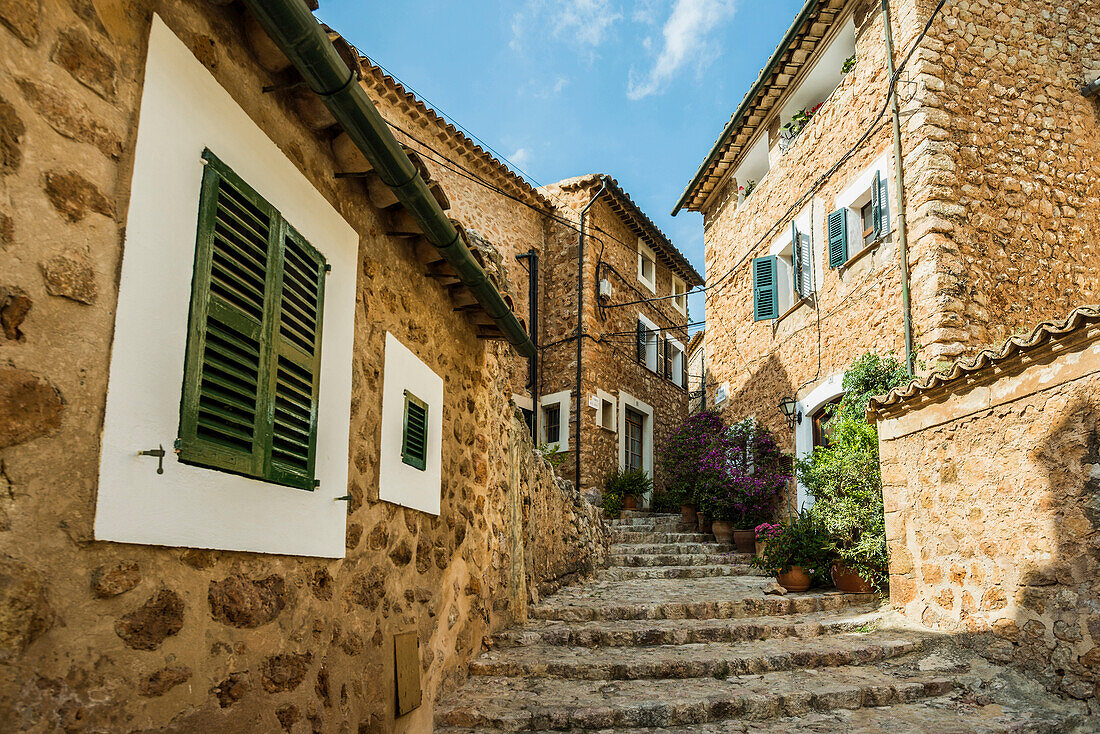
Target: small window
679 292
823 432
252 373
676 363
648 344
552 416
634 435
414 438
647 266
867 217
605 413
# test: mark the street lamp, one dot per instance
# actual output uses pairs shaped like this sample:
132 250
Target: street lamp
794 417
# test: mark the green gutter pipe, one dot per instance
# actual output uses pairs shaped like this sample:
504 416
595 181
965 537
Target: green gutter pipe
796 27
903 239
292 27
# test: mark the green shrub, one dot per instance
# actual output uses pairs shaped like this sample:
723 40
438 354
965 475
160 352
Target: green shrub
663 502
844 477
619 483
802 542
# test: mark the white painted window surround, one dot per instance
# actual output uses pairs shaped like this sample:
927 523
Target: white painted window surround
679 289
399 482
677 362
605 411
825 391
626 400
647 266
857 195
563 400
183 111
783 248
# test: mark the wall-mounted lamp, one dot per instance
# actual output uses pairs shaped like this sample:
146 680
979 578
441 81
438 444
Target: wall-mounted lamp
794 417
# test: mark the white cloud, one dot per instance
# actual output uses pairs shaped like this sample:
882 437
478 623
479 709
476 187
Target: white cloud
580 22
520 158
686 41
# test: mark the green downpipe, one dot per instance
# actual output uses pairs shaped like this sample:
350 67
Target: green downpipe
292 27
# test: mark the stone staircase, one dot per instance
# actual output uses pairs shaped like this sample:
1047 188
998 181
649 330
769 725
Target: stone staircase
677 635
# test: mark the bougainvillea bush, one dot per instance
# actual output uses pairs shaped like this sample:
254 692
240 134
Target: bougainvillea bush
733 473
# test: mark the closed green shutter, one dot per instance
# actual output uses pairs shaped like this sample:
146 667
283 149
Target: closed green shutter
643 335
880 200
249 402
838 238
803 268
414 439
765 295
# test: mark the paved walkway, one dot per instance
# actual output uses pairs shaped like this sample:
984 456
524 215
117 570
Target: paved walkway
678 636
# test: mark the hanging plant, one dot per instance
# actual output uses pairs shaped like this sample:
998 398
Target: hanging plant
799 121
849 64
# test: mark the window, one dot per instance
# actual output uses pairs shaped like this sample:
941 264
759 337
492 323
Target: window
634 438
765 293
552 415
802 271
679 292
648 344
820 421
254 344
605 410
647 266
414 433
862 216
675 363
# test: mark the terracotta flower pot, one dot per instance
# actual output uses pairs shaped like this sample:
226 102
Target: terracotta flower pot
850 581
796 579
687 513
745 540
705 523
723 530
630 502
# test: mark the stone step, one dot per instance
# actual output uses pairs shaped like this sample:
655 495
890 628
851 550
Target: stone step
647 513
729 597
716 659
943 715
650 522
677 559
641 535
639 632
531 704
660 548
625 573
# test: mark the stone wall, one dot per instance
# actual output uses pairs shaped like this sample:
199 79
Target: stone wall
1000 158
103 636
609 361
992 493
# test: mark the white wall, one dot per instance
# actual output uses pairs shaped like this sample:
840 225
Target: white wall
399 482
183 111
804 431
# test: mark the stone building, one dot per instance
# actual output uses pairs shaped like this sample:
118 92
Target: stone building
259 453
1000 150
633 361
998 545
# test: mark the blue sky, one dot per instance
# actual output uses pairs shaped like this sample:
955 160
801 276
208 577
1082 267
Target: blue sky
639 90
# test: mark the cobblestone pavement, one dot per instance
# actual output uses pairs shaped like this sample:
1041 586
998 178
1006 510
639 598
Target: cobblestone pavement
679 636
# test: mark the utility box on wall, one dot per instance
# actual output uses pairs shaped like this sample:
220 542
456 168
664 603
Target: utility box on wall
406 659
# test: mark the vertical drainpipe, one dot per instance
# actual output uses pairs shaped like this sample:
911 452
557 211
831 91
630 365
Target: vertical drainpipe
580 325
903 243
532 258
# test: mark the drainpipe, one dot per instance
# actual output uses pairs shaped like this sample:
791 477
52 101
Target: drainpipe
1091 89
580 323
903 243
532 259
292 27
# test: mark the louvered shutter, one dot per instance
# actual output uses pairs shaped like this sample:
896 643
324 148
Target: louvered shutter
837 225
683 370
765 298
642 333
296 362
796 258
414 438
806 265
881 209
668 359
224 405
251 377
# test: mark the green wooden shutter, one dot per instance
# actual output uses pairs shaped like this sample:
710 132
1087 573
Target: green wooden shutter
296 363
796 258
643 334
880 199
223 406
805 259
414 439
838 238
251 377
765 295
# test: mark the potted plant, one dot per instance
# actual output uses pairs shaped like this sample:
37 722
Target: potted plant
705 523
746 189
765 531
625 489
682 457
798 555
845 481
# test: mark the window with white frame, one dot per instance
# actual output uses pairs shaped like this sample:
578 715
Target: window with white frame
647 266
861 216
554 421
605 410
679 295
648 343
785 276
677 362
